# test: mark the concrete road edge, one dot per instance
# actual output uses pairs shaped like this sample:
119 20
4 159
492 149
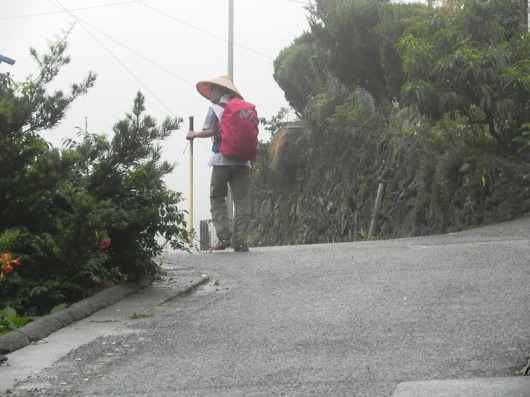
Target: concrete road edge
44 326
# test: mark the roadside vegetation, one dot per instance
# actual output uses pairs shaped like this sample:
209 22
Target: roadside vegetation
466 60
432 98
80 218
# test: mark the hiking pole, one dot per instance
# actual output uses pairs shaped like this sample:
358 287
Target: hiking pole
191 185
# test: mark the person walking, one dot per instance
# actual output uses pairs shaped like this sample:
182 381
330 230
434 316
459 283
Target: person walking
225 170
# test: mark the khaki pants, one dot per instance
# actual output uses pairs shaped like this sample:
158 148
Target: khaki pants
239 179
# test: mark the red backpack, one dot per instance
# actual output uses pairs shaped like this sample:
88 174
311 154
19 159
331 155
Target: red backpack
239 130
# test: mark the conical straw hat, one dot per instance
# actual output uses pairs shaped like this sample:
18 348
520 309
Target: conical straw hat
205 87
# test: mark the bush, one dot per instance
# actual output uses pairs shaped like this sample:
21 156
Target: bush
85 216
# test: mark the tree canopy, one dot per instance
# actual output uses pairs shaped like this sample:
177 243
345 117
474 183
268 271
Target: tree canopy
358 37
458 58
299 71
471 61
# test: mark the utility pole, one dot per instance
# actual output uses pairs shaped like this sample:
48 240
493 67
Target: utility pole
231 39
229 197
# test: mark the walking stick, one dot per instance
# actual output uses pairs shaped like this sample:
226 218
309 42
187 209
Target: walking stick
191 185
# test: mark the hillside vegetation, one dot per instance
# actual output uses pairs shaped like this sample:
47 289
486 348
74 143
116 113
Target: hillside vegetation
429 106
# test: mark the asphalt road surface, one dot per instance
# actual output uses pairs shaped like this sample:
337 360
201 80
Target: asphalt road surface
377 318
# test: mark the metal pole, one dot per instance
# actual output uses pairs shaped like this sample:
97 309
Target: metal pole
231 39
229 197
191 185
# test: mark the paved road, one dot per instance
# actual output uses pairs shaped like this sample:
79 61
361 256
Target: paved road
433 316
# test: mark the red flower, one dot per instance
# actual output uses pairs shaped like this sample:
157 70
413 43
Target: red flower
8 269
105 245
16 262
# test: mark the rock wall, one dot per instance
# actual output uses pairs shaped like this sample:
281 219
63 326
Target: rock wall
319 189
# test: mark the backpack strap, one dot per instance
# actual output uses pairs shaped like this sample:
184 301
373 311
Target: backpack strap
218 109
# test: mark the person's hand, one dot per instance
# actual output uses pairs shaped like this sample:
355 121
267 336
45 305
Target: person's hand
190 135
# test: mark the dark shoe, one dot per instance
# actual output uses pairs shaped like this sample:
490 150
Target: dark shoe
221 245
241 248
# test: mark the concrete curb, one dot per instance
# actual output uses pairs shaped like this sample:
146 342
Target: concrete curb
44 326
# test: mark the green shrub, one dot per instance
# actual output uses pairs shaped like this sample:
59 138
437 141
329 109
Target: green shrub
86 216
10 321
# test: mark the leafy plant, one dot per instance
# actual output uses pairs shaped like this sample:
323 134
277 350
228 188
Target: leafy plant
10 321
276 122
524 138
300 72
356 39
88 215
470 62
